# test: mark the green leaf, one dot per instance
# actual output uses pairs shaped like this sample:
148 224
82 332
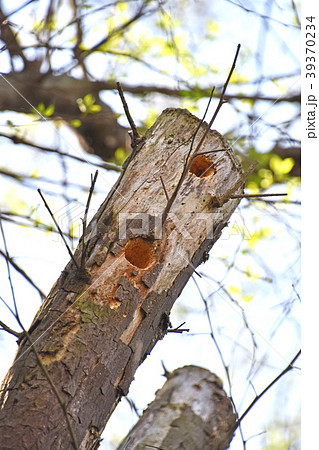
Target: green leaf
42 110
258 235
75 123
267 178
213 28
247 298
280 166
14 202
95 109
49 111
35 174
88 100
234 289
120 156
87 105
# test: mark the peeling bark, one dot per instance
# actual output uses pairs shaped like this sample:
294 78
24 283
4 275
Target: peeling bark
95 328
191 412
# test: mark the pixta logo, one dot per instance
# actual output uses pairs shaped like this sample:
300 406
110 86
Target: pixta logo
186 226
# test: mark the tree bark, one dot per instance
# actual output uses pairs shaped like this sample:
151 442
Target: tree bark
190 412
97 325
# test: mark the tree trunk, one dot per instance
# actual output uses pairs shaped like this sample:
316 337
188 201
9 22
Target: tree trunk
190 412
96 326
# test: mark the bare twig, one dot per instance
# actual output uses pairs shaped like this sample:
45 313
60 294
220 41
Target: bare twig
235 302
10 330
140 13
60 231
187 164
84 247
143 89
221 100
226 368
135 134
258 397
219 200
133 406
295 291
7 306
19 140
164 188
208 152
257 195
23 273
10 39
15 313
189 159
26 221
178 329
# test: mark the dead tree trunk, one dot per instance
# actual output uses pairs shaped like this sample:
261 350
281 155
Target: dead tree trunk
191 411
97 325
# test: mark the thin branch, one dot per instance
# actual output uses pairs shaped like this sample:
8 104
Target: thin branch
10 330
7 306
235 302
59 230
286 370
262 16
187 163
255 435
295 291
221 100
178 329
210 151
226 368
120 29
189 159
140 13
29 180
84 247
257 195
10 39
16 313
18 140
219 200
79 38
164 188
27 221
97 86
133 406
24 274
198 128
136 136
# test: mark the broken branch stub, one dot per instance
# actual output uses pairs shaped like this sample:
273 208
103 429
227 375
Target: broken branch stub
191 411
93 332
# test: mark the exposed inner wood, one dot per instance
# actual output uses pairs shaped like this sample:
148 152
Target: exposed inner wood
139 252
202 167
